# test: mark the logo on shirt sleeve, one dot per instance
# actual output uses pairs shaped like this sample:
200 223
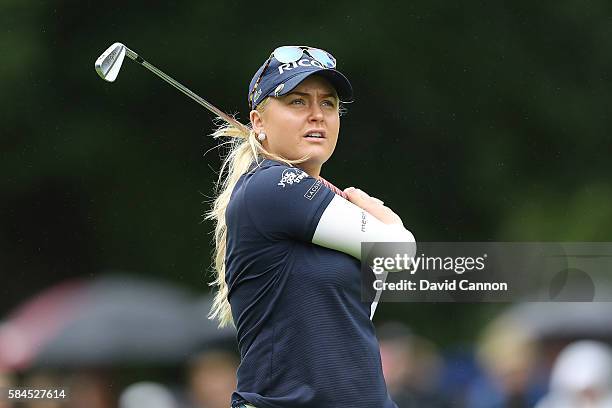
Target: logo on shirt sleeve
291 176
314 189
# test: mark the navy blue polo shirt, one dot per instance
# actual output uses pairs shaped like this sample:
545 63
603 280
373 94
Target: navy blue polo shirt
305 336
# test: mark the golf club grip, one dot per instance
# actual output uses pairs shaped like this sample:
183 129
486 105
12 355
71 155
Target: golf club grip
333 188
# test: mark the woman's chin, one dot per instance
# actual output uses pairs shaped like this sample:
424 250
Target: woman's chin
314 156
318 154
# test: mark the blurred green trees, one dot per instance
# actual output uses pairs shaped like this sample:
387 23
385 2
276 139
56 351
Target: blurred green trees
475 121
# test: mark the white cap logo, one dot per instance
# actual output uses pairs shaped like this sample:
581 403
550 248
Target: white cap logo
303 63
278 89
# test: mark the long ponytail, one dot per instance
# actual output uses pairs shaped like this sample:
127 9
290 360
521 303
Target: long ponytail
244 149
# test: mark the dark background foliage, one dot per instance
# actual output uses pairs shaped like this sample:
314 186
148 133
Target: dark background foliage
475 121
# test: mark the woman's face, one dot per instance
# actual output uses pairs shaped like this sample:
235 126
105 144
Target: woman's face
303 123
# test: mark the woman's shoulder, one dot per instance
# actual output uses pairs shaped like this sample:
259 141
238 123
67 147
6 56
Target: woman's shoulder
257 179
271 185
267 187
269 174
268 165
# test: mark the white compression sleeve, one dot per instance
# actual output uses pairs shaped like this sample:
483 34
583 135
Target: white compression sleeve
344 226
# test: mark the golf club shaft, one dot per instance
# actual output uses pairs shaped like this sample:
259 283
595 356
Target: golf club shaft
137 58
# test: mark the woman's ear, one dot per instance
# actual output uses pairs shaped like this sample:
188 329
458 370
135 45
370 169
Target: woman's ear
256 121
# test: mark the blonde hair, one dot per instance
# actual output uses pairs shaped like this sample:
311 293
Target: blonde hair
244 149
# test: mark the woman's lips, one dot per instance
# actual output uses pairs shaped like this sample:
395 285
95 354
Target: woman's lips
315 135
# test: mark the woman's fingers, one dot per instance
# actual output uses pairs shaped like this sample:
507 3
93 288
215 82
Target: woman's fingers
381 202
372 205
357 197
366 196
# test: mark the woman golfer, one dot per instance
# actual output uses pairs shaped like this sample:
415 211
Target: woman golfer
288 247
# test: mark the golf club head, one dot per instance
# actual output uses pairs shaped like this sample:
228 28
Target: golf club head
109 63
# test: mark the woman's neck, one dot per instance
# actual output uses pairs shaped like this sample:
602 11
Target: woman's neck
313 171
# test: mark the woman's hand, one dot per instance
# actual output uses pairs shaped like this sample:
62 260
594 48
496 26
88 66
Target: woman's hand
372 205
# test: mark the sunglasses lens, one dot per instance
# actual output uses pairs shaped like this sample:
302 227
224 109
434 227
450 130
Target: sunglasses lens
288 54
323 57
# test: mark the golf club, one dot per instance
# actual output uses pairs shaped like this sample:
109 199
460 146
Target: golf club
109 63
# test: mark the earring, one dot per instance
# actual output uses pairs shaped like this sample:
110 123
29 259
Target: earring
261 136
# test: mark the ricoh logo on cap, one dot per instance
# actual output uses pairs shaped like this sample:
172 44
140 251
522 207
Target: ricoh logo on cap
303 63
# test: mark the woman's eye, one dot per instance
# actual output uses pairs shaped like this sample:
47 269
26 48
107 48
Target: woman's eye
329 103
297 101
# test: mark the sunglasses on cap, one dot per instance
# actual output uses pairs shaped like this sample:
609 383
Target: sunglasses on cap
292 53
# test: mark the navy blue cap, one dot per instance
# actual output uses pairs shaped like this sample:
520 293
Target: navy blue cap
280 79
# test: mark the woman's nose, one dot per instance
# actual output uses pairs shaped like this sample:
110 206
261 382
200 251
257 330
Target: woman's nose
316 113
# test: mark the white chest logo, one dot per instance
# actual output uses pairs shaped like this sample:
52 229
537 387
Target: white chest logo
291 176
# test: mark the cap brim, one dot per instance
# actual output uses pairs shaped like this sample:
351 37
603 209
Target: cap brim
339 82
